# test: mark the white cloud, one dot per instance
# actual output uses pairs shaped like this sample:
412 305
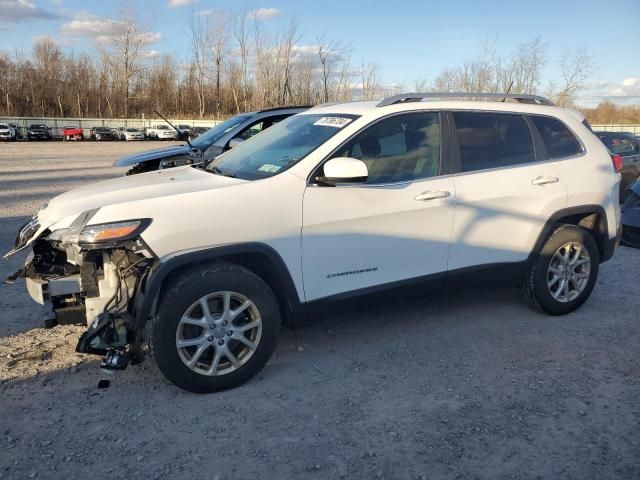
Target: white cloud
22 10
152 54
264 13
309 53
628 88
88 27
626 92
213 13
180 3
101 30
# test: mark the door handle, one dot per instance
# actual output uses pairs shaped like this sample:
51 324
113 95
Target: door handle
432 195
544 180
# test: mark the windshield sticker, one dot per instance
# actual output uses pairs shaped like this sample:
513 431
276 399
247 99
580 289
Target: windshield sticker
337 122
269 168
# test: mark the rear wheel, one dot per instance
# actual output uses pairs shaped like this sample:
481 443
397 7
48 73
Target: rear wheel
562 275
216 327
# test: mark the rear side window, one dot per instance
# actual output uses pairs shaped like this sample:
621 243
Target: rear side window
557 138
492 140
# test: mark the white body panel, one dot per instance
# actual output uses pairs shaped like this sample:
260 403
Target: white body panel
355 237
589 178
500 213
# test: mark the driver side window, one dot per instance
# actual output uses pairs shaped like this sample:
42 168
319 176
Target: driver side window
398 149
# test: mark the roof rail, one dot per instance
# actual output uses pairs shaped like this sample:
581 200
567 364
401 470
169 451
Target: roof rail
418 97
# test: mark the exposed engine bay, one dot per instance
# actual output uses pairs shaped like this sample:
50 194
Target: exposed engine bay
91 285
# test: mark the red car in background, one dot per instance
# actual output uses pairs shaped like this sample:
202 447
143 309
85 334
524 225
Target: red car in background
72 133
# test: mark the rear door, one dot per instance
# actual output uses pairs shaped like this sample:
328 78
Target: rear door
505 192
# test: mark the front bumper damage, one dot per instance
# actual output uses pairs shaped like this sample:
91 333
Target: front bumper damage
91 285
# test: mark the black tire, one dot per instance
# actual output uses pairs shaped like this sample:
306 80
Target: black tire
180 294
534 288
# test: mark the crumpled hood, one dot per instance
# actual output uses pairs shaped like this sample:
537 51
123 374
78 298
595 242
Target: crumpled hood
144 186
154 154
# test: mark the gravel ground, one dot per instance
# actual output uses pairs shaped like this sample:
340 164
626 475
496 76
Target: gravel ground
471 386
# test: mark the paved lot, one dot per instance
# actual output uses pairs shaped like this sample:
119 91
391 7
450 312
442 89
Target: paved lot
472 385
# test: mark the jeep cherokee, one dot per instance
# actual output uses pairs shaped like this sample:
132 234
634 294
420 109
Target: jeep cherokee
409 196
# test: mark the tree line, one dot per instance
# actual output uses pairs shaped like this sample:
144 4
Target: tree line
235 64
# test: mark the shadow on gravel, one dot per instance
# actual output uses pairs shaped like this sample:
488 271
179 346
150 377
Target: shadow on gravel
441 387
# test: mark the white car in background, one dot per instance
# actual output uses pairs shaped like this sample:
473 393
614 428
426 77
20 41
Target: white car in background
162 132
7 132
129 133
342 205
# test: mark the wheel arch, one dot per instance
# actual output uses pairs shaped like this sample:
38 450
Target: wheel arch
590 217
259 258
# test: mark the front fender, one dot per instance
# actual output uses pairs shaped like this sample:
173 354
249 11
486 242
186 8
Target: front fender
281 282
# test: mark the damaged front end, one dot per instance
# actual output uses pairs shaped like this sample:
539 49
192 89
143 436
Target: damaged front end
90 274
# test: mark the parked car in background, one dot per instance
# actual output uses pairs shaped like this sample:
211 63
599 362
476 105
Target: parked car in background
197 131
102 133
210 144
345 204
627 145
161 132
130 133
72 133
17 129
38 131
7 133
631 217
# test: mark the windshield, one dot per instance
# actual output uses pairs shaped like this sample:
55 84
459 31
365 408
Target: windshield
4 126
214 134
279 147
135 130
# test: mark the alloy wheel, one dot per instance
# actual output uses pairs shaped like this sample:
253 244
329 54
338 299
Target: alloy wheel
219 333
569 272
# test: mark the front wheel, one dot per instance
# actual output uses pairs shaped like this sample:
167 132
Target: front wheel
562 275
216 327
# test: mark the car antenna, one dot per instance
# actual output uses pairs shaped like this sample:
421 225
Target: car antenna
174 127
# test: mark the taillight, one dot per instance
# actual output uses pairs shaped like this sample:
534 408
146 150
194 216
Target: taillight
617 163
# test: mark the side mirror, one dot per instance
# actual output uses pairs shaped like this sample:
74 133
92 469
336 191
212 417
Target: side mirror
342 170
234 142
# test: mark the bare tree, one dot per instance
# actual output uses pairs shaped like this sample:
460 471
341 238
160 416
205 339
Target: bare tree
289 40
575 69
241 35
199 41
219 48
369 73
328 56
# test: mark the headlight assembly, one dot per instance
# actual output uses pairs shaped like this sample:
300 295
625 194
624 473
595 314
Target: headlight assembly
110 233
174 162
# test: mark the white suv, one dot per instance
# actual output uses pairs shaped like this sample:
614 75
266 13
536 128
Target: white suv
162 132
385 200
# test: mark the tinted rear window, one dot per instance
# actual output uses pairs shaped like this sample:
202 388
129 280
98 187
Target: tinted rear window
490 140
558 139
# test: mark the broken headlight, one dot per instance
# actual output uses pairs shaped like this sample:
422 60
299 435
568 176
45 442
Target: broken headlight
113 232
99 235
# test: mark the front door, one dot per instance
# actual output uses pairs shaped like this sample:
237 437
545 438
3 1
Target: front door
394 228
